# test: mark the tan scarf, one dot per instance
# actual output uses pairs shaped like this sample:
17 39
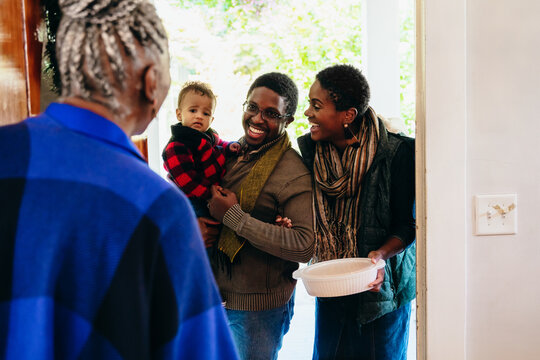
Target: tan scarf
337 191
249 191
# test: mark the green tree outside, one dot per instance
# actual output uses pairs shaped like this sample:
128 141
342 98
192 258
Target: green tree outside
227 43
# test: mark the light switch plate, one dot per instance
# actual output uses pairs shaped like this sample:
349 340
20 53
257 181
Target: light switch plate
496 214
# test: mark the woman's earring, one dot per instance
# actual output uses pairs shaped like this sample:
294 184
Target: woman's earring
346 126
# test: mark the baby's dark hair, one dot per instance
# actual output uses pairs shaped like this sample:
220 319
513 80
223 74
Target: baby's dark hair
347 86
282 85
199 87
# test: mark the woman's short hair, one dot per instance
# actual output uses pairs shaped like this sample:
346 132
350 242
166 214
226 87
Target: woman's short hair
282 85
347 87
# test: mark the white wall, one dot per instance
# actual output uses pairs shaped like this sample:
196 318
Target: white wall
503 299
482 91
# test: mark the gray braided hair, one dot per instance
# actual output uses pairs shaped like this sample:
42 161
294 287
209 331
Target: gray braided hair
93 33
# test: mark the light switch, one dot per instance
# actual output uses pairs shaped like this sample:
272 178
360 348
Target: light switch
496 214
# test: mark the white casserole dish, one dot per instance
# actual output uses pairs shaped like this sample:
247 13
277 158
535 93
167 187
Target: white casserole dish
339 277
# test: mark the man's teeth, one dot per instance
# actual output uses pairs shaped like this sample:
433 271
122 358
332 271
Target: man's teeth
256 131
314 125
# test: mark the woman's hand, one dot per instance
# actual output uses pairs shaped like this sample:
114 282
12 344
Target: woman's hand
283 221
375 256
221 201
209 230
391 247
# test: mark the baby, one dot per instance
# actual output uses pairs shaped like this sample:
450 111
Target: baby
195 155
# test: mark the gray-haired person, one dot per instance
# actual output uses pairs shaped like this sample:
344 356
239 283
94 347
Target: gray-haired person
100 258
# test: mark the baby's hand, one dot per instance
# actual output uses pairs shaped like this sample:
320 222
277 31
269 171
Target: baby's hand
283 221
234 147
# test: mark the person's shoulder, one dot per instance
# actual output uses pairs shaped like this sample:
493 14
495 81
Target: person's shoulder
290 175
168 206
409 141
291 164
159 200
294 157
11 134
213 134
305 139
401 150
307 149
404 143
123 174
36 124
136 180
175 142
15 151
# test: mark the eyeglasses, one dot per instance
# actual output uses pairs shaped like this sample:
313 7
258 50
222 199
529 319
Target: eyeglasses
266 114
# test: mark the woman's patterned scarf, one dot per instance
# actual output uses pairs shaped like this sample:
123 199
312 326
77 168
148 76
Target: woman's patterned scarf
338 182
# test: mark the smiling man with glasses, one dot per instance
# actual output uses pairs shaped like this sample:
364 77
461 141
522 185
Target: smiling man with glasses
266 125
256 257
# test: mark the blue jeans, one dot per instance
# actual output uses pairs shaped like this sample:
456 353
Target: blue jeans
259 334
338 335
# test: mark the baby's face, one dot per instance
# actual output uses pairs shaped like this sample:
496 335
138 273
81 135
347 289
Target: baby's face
196 111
